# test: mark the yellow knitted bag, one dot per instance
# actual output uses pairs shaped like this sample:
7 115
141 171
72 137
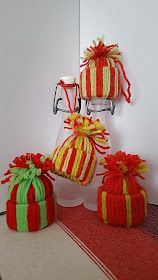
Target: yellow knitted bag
76 158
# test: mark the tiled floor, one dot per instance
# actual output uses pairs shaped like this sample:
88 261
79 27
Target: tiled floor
49 254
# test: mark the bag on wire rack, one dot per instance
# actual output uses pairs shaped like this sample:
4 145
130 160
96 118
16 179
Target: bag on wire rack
101 76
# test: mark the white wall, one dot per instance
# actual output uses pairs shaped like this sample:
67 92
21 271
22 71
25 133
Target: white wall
39 43
133 24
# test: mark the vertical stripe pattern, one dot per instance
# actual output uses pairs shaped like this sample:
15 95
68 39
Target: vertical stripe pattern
93 81
100 81
88 83
129 210
106 81
43 214
21 216
126 209
112 82
33 215
75 160
104 214
31 205
145 202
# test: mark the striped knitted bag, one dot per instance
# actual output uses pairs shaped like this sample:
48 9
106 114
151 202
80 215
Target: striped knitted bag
121 199
102 75
31 204
76 159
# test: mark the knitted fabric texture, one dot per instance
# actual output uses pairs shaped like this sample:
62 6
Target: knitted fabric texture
76 158
121 199
31 204
102 75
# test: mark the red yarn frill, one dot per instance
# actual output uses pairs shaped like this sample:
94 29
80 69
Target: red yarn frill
98 51
122 165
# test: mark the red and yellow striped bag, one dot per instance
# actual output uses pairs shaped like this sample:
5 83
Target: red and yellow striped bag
102 75
121 199
76 158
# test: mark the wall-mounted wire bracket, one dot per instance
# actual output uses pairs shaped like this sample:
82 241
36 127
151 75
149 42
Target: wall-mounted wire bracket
110 107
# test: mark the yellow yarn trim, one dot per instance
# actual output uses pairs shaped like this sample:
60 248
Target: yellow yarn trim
84 90
106 81
145 202
59 158
78 142
87 145
85 166
85 125
76 162
129 210
91 171
54 154
92 64
68 141
65 166
124 186
142 168
103 162
128 202
104 209
111 61
116 83
93 81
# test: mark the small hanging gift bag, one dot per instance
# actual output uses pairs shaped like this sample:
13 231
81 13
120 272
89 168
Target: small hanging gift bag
76 158
101 76
31 203
121 199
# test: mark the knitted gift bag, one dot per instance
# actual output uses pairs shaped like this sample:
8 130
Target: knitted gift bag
75 159
121 199
102 75
31 204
